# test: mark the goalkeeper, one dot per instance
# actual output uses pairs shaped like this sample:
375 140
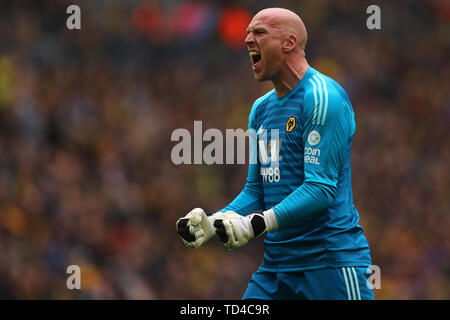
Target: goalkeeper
301 198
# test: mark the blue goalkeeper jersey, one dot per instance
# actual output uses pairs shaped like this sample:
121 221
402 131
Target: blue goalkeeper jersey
300 167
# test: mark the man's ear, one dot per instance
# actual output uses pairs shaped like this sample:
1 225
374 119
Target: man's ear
289 43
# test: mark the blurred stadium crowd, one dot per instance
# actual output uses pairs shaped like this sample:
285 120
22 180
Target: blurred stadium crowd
86 117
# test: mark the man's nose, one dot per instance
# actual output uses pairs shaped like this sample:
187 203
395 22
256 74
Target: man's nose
249 39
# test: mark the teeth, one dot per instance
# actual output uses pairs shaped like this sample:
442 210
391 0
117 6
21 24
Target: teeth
253 53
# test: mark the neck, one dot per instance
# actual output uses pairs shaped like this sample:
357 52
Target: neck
290 75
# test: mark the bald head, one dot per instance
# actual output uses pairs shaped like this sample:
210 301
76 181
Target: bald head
288 22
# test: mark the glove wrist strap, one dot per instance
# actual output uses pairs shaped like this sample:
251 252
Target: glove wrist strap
258 224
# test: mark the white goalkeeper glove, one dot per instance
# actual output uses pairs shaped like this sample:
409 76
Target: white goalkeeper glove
235 230
196 228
